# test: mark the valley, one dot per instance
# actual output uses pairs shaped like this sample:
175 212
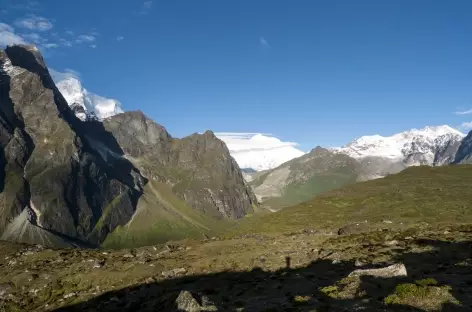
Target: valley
104 210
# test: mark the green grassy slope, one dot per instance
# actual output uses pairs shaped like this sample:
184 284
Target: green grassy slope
160 217
440 195
300 179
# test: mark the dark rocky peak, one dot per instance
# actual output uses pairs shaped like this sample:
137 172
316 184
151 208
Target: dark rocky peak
464 152
61 179
319 150
140 136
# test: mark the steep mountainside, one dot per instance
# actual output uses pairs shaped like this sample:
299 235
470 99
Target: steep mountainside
428 146
301 178
65 181
464 153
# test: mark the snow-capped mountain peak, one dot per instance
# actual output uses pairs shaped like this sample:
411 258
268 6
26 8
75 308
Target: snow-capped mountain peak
259 151
427 146
86 104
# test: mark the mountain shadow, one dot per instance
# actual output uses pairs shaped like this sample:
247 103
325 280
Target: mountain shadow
438 279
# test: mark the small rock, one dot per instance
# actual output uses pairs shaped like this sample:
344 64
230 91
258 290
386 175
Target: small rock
262 258
98 264
5 288
446 232
359 263
336 261
128 256
397 269
174 272
186 302
70 295
391 243
387 221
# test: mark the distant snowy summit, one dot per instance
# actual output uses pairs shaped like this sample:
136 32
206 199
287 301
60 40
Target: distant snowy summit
86 104
427 146
257 151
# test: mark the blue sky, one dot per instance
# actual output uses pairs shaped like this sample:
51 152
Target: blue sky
312 72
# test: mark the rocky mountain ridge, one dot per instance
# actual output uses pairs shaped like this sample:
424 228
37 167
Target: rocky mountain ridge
431 146
67 181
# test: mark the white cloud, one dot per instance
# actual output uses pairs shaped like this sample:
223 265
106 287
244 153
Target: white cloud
33 37
146 7
85 38
34 22
466 112
8 36
263 42
119 38
50 45
6 27
93 46
466 125
70 32
67 73
258 151
65 42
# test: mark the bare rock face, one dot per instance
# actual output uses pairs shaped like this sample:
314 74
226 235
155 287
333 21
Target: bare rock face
52 168
464 153
64 181
199 167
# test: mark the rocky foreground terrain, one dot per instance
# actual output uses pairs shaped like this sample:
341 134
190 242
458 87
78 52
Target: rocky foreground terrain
424 269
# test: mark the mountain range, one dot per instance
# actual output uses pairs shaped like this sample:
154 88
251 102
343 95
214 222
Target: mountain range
366 158
123 181
97 176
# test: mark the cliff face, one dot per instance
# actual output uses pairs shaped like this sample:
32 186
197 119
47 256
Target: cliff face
64 181
199 167
58 169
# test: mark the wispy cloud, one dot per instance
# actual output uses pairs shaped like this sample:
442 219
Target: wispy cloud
119 38
67 73
466 112
93 46
34 22
85 38
33 37
50 45
8 36
145 7
466 125
263 42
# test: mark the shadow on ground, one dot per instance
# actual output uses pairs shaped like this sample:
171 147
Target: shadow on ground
303 289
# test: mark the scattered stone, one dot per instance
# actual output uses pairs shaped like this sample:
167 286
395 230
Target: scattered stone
391 243
397 269
186 302
336 261
359 263
70 295
387 221
128 256
98 264
174 272
5 288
